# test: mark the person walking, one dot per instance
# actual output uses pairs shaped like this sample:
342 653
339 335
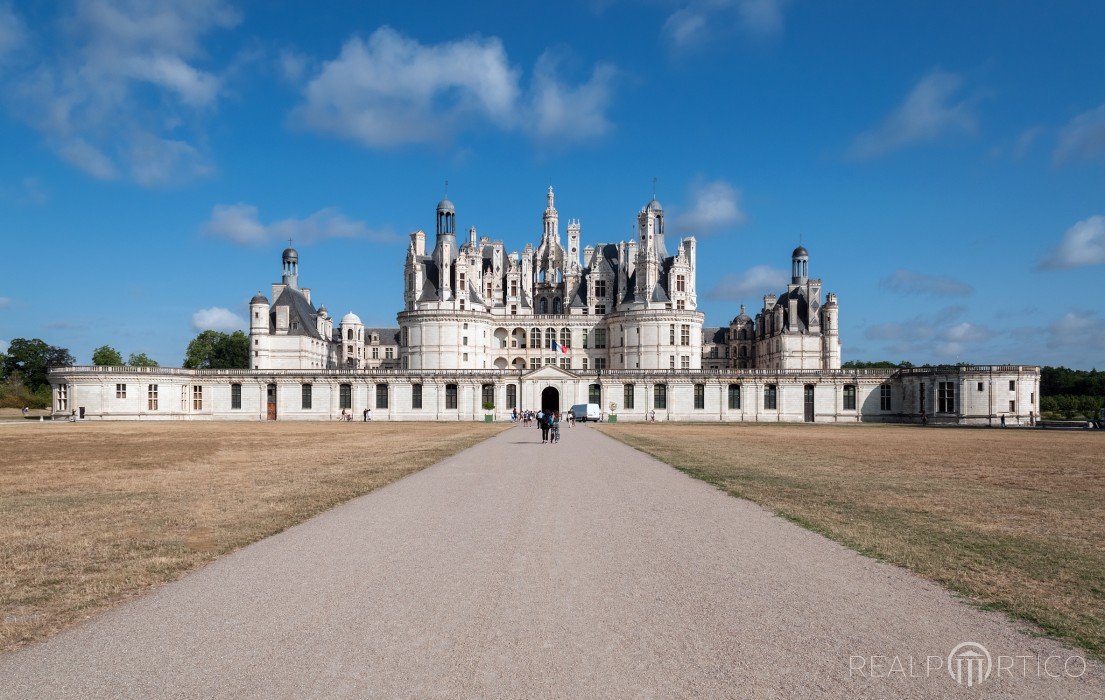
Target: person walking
366 415
543 424
554 427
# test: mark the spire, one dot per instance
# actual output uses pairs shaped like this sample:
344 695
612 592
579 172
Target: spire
549 197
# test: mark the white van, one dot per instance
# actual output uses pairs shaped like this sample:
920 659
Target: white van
587 411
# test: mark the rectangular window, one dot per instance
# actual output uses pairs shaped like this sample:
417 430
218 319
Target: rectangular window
700 396
945 397
305 392
488 396
586 335
450 396
462 304
197 398
685 362
600 363
660 396
600 337
389 353
63 397
600 289
680 283
770 397
627 397
512 396
513 309
680 305
671 334
465 357
151 397
416 396
565 363
235 395
849 397
464 341
345 396
884 397
671 362
375 353
120 391
534 362
406 336
514 288
1012 406
734 396
594 394
685 334
585 363
1012 385
980 386
600 309
382 396
460 281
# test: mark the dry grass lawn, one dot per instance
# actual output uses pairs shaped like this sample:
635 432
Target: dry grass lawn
1013 519
93 513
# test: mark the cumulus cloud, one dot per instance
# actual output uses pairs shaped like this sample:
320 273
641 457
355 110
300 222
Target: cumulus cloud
118 90
753 283
714 206
700 21
933 109
942 334
909 282
217 319
1083 138
241 223
391 90
1082 244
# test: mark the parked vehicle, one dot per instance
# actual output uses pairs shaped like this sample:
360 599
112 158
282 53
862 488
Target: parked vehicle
587 411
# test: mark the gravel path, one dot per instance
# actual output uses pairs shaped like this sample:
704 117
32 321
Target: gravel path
583 569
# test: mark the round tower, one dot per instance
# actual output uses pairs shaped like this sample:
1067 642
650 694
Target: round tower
258 330
799 265
290 260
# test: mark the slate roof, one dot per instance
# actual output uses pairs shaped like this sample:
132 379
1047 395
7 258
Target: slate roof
299 309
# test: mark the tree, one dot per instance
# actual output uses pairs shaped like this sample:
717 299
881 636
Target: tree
215 350
31 358
141 359
106 356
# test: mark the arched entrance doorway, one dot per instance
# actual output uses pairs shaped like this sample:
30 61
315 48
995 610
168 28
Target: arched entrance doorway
550 399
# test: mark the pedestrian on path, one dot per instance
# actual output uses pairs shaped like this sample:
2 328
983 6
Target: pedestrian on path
366 415
543 420
554 427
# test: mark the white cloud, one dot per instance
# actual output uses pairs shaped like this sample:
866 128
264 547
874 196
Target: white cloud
753 283
12 32
699 21
118 90
714 206
1082 244
1083 138
930 111
1084 331
909 282
241 223
391 90
941 334
572 113
217 319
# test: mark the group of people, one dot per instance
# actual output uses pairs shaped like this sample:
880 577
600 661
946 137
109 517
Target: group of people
347 415
547 421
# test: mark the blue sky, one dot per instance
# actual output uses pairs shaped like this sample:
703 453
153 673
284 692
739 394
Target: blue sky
943 162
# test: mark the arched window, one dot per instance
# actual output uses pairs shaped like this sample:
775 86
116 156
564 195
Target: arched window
349 334
556 308
543 306
535 338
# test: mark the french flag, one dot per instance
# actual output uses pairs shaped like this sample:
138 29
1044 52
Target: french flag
557 347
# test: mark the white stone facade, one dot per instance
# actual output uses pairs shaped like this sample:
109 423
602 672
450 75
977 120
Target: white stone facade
483 332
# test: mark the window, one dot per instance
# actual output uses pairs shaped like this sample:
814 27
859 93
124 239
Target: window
600 337
305 392
586 334
734 396
464 341
671 363
462 304
151 397
680 305
849 397
945 397
627 397
120 391
535 338
513 309
406 336
382 396
884 397
450 396
1012 385
565 363
1012 406
594 394
349 334
416 396
465 357
600 289
671 334
514 288
345 396
184 397
585 364
565 337
680 283
63 397
685 334
770 397
235 396
660 396
600 363
375 353
700 396
460 281
685 362
488 396
511 396
197 398
600 309
980 386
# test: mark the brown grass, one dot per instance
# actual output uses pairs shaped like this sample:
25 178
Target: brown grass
93 513
1013 519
